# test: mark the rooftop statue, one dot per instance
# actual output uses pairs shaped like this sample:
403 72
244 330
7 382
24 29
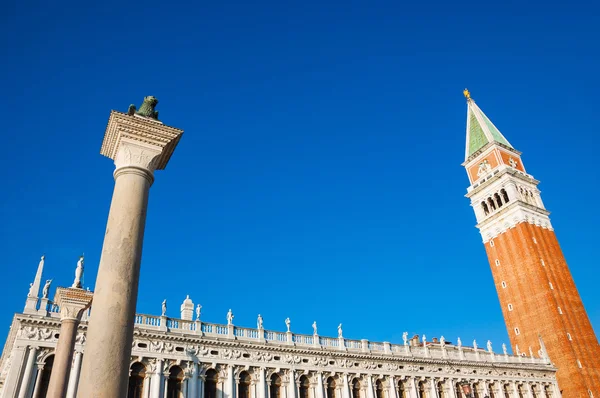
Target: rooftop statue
46 288
147 108
314 326
78 274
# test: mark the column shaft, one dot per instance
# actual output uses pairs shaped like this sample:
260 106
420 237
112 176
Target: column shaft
11 384
146 388
59 379
230 390
320 388
74 379
110 331
346 391
26 382
38 380
393 392
262 389
193 383
292 386
156 382
370 391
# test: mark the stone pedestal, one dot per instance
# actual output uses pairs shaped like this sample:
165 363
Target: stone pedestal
72 303
139 145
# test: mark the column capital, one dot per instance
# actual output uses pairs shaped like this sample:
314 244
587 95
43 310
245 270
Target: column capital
72 302
139 142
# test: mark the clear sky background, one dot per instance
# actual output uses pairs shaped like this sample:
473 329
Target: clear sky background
319 176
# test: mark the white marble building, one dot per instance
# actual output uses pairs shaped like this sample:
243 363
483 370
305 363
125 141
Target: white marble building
187 357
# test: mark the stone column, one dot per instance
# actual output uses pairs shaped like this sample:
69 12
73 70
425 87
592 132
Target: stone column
346 386
230 389
413 388
138 145
165 384
193 383
320 388
146 388
450 383
370 391
74 379
156 382
262 390
201 385
515 389
11 383
392 392
38 381
26 382
72 303
434 392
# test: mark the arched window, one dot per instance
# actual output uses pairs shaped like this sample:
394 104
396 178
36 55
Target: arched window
244 385
210 383
137 373
304 386
355 388
476 390
504 195
484 206
491 389
175 383
422 390
402 393
275 387
45 380
458 390
379 389
441 391
497 200
547 392
520 390
491 204
535 392
330 387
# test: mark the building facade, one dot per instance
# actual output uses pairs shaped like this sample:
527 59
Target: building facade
536 291
187 357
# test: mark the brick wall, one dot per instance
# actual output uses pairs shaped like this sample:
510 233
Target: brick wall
544 301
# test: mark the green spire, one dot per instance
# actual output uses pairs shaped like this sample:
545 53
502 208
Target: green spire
480 130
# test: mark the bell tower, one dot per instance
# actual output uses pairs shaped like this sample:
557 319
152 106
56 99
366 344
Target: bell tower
535 288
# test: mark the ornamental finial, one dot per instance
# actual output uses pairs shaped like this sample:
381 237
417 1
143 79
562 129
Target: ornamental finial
467 94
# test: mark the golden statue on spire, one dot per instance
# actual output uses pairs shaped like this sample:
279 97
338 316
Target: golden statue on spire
467 94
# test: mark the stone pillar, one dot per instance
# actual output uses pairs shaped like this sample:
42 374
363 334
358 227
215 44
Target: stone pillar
413 387
320 388
346 386
74 379
201 385
434 391
392 392
165 384
515 389
72 302
146 388
292 386
27 379
11 383
38 381
156 383
34 290
370 391
262 389
138 145
193 383
450 384
230 389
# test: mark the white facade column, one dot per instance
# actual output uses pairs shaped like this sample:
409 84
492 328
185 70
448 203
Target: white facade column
201 386
157 381
74 377
346 386
413 387
393 392
193 383
230 389
292 386
434 392
262 384
515 389
16 368
27 380
451 389
38 380
486 389
370 391
165 384
146 388
320 387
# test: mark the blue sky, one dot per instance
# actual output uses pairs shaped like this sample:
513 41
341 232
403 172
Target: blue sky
319 175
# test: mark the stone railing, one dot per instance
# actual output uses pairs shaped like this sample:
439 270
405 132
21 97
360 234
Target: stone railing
430 350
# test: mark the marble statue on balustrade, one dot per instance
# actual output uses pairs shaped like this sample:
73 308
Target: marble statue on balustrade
78 274
46 288
198 311
314 326
489 346
459 342
340 331
504 349
288 323
259 322
164 308
405 338
442 341
230 317
424 341
475 345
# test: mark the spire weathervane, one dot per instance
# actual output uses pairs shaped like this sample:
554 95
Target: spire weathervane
467 94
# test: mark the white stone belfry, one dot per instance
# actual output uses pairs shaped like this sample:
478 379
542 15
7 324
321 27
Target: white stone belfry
34 290
187 309
139 145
